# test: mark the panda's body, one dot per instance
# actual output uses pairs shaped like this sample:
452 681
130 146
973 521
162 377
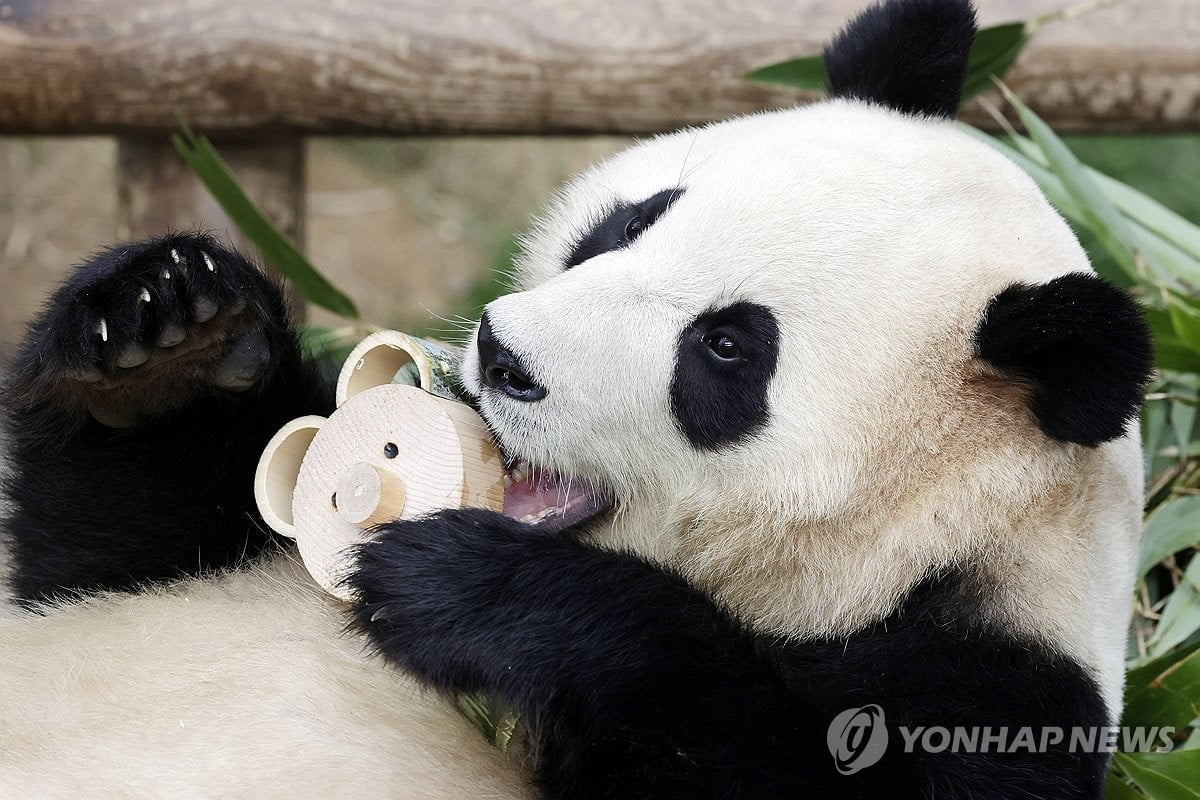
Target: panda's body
861 413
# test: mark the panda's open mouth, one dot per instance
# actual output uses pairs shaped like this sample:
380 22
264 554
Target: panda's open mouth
548 500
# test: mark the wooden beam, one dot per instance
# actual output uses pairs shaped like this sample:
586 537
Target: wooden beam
508 66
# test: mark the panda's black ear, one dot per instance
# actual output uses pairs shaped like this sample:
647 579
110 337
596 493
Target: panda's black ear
910 55
1083 346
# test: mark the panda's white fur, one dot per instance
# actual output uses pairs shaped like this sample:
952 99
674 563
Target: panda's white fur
240 686
891 449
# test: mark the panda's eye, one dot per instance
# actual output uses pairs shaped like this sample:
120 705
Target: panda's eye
635 226
723 347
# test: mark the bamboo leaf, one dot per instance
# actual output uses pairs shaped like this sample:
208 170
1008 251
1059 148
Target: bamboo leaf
993 53
1183 421
1151 213
1117 789
799 73
1174 527
1154 426
1165 693
1180 617
1185 321
1163 776
1170 352
282 254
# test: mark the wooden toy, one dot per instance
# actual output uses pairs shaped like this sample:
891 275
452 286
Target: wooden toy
398 445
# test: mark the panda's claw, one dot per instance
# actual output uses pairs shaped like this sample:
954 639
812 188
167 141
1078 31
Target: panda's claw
152 324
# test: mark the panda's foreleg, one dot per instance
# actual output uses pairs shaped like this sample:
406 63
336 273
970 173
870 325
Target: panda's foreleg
632 683
137 406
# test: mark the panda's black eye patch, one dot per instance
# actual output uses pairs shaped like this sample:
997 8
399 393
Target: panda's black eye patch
621 225
724 362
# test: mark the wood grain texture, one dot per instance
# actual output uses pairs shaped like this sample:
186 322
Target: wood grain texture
492 66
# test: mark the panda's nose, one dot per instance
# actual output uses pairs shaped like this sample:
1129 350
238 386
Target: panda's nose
500 369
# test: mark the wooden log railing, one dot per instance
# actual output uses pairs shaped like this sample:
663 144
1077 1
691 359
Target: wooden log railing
259 74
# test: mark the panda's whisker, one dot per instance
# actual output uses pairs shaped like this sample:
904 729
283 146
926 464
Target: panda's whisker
686 156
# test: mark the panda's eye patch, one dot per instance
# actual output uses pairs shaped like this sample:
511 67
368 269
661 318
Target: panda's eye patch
724 361
621 225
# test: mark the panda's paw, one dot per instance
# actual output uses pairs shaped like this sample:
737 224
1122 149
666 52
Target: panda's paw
439 595
142 328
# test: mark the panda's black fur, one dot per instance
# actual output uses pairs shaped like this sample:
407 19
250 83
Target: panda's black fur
635 685
98 507
632 683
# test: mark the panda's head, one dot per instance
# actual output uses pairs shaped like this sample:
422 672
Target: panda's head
842 311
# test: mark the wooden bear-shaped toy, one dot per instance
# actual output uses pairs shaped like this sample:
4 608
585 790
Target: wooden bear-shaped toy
398 445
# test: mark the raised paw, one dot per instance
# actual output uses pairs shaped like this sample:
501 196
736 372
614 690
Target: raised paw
140 329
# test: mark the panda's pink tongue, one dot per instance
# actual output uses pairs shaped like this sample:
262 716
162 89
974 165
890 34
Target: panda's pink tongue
547 500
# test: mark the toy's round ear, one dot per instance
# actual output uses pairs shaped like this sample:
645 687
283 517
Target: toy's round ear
378 360
278 470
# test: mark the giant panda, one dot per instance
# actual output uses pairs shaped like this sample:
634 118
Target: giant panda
809 411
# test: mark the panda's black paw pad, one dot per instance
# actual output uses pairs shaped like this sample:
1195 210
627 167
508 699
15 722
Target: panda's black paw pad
152 322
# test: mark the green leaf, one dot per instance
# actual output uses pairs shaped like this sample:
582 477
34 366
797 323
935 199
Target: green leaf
1183 419
1163 776
1117 789
278 250
1151 213
1164 691
1185 321
994 51
800 73
1170 352
1181 615
1174 527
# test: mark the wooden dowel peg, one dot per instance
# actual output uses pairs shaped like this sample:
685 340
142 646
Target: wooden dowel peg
368 496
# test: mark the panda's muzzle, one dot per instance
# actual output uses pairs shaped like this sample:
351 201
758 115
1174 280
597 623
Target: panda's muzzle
500 369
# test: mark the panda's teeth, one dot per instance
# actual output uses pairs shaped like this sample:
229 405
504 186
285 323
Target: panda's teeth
508 481
533 519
